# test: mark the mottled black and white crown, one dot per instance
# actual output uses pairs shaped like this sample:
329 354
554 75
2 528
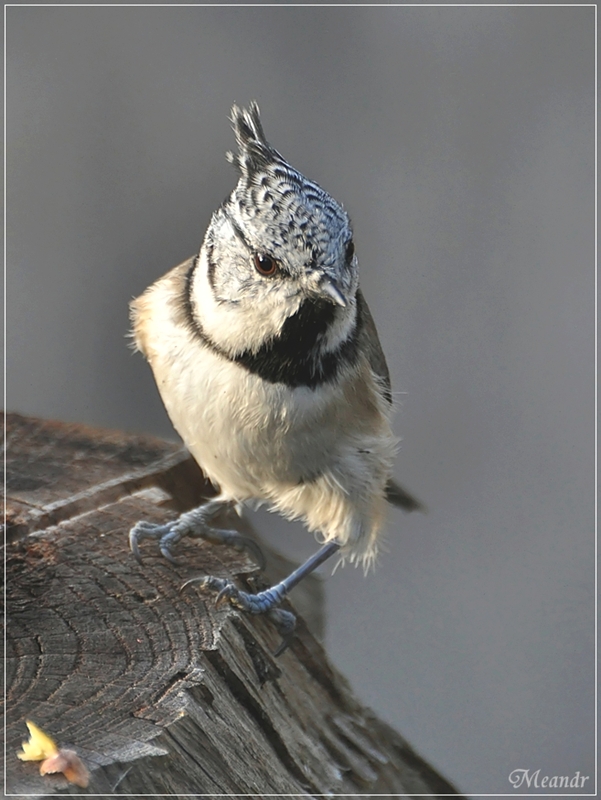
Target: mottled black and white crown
255 153
275 203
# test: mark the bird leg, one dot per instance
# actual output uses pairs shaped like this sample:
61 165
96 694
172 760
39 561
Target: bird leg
266 602
194 523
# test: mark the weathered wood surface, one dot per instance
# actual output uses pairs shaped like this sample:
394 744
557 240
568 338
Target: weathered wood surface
158 691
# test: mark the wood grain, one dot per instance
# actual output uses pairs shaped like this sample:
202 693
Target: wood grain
156 689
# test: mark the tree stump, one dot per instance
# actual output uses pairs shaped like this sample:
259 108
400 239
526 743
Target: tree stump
157 690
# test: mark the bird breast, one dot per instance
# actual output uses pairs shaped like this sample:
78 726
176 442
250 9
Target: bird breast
251 437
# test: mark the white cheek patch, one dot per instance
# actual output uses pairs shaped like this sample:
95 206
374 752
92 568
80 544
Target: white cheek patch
237 327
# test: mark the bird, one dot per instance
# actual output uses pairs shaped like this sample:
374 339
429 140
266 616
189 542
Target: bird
268 362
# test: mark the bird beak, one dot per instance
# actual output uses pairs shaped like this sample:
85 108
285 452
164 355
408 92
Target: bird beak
329 287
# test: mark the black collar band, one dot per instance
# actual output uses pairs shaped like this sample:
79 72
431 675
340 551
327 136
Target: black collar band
294 357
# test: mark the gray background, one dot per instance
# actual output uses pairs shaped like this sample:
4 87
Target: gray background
461 142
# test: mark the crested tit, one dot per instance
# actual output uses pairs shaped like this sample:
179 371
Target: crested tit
269 364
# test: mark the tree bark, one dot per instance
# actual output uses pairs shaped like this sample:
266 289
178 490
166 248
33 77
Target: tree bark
158 690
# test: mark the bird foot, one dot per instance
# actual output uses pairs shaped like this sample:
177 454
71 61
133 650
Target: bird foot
265 602
194 524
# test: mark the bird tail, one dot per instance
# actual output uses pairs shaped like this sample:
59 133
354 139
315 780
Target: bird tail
400 497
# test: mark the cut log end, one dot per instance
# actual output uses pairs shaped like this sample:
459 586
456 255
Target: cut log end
155 689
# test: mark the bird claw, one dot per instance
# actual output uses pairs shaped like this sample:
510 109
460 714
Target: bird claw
225 589
194 524
231 593
285 622
166 534
261 603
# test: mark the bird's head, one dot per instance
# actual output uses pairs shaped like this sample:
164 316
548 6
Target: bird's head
278 246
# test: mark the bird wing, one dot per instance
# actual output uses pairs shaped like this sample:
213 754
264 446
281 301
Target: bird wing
370 344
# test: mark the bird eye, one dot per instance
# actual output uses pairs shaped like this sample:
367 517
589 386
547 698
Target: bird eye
264 264
350 250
